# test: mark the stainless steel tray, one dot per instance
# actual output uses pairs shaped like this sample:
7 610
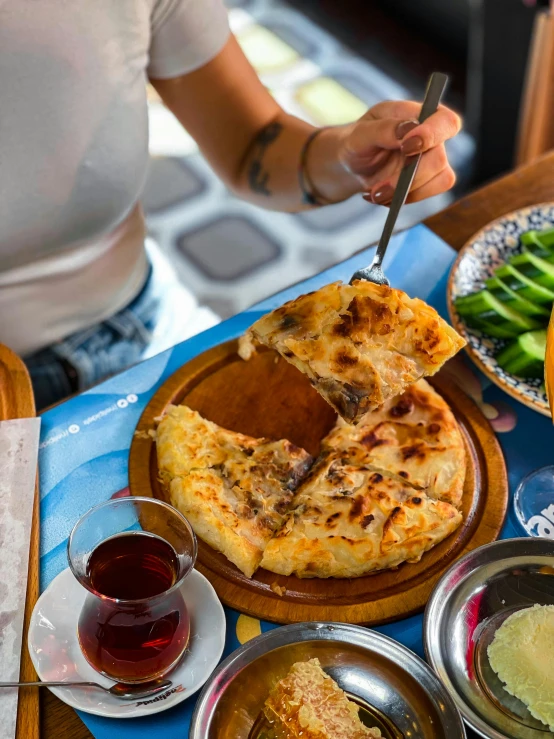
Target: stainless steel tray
395 689
468 605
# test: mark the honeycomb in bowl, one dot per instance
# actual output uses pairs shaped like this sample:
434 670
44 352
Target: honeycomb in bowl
309 704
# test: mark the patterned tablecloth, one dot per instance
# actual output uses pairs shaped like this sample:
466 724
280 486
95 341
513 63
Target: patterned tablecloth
85 444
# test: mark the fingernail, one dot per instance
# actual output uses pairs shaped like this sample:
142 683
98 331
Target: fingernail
367 196
412 145
405 127
383 195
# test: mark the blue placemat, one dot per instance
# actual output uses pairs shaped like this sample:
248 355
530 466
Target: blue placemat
85 442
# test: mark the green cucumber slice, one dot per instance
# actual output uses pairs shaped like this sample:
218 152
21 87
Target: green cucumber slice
525 355
498 331
488 308
540 252
525 368
470 305
523 285
545 237
509 297
534 268
528 237
468 300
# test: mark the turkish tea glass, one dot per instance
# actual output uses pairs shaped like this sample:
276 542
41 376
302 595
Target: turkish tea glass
132 555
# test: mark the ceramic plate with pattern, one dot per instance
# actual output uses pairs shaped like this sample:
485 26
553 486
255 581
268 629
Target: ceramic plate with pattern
481 255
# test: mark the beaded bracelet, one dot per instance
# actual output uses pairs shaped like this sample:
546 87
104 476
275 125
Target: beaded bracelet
310 196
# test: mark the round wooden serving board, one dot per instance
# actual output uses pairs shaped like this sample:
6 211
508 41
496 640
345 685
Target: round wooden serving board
267 396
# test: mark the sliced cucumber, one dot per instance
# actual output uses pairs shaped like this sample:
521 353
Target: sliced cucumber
469 305
546 237
523 285
485 307
534 268
528 237
525 355
509 297
539 252
492 329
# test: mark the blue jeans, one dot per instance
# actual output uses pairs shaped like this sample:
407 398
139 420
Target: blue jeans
86 357
163 314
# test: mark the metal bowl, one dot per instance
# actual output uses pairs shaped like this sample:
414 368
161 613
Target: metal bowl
468 605
395 690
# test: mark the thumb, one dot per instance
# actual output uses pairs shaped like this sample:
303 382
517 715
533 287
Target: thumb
383 133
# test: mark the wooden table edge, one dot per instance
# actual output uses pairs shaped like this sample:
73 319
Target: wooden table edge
17 401
519 188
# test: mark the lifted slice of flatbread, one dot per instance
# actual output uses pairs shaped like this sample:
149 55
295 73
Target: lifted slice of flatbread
349 521
414 437
359 344
235 490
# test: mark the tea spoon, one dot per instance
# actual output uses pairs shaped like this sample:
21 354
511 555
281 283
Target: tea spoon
374 273
120 690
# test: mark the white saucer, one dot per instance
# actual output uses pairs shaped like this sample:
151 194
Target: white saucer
56 654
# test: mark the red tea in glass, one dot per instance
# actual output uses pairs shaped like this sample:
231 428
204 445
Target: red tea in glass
134 625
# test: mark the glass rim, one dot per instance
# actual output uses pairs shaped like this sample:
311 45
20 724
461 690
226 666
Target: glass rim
120 501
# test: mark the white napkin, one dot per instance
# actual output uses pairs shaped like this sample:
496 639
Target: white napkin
18 465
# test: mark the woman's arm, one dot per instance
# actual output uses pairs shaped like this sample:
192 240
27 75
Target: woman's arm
255 146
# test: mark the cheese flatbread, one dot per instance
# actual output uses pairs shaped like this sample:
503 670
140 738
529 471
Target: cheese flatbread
358 344
235 490
414 437
348 521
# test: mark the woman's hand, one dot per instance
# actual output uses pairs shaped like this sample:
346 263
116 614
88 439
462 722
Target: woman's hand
367 156
256 147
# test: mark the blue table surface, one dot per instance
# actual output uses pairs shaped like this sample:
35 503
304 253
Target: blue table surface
85 441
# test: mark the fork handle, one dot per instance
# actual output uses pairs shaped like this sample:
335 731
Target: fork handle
433 94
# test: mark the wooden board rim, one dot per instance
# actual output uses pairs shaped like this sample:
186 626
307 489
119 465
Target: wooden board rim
483 526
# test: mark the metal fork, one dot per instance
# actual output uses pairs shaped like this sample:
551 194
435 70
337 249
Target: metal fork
374 273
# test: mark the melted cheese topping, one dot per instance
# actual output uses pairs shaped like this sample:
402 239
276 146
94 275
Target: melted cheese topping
522 655
413 437
349 521
235 490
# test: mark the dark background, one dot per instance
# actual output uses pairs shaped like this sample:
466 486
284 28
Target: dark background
482 44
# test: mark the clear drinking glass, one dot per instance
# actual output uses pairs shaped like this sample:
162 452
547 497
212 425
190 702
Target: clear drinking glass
132 555
534 502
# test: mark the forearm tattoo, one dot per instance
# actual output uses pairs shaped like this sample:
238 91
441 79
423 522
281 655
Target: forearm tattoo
258 177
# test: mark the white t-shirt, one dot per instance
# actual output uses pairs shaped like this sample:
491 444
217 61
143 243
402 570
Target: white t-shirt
74 151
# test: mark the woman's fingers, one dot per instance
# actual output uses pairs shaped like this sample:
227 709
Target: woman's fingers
390 133
438 128
369 136
441 182
409 109
432 163
375 148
